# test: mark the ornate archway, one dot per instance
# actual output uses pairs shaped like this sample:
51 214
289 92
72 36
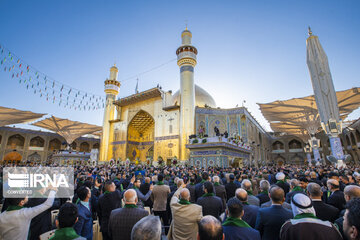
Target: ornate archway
140 137
16 141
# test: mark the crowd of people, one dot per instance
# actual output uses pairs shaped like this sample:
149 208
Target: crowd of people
147 202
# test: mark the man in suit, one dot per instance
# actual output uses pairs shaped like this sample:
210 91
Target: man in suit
263 196
159 197
210 229
250 211
199 187
122 220
323 211
269 220
211 204
336 197
144 189
185 216
252 200
231 187
135 184
108 201
234 227
280 177
191 187
295 188
84 225
220 191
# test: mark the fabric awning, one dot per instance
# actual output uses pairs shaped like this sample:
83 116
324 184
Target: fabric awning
10 116
299 116
70 130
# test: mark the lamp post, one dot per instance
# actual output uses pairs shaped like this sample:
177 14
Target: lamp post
307 150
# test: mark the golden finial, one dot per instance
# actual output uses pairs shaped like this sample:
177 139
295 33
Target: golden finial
186 25
309 31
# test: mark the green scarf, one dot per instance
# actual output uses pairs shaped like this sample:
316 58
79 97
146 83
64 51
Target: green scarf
305 215
192 184
12 208
130 206
297 188
208 195
202 181
107 192
249 192
235 222
264 192
135 187
65 233
160 183
216 184
245 203
121 187
280 181
328 193
184 202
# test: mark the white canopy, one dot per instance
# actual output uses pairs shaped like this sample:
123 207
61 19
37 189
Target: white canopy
10 116
70 130
300 116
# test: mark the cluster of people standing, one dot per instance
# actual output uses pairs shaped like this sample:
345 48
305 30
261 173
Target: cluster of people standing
132 202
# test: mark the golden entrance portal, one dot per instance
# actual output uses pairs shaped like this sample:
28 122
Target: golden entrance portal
140 137
12 158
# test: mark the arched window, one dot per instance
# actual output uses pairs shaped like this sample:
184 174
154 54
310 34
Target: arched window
54 144
277 145
96 146
294 144
84 147
37 142
73 146
15 141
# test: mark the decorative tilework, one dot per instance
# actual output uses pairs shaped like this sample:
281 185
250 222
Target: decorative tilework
167 137
187 68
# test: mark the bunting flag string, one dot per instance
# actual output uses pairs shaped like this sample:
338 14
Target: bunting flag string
46 87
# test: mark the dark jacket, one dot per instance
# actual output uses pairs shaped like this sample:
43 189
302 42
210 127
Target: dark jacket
263 197
269 204
240 233
221 193
230 189
269 221
192 192
284 185
250 214
337 199
144 189
211 205
84 225
325 211
122 221
107 203
289 195
199 190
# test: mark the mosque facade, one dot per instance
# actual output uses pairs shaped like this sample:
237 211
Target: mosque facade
155 125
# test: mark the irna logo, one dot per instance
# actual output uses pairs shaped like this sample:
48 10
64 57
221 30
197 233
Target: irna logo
36 180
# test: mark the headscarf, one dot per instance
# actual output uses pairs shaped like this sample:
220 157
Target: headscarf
300 203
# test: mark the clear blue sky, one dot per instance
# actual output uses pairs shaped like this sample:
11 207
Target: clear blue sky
248 50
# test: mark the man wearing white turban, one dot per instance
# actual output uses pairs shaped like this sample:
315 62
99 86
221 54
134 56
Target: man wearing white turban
305 224
280 178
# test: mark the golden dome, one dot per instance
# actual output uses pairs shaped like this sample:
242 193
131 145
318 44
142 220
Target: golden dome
201 98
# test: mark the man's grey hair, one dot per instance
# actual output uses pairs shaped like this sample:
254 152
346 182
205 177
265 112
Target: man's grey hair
264 185
314 189
246 185
216 179
148 228
294 183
